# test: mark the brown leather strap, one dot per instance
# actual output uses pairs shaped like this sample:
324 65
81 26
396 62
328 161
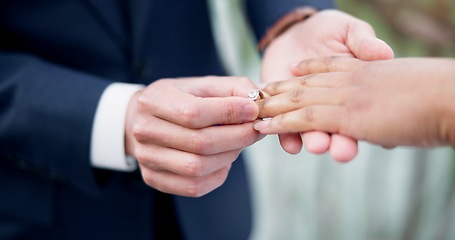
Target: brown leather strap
284 23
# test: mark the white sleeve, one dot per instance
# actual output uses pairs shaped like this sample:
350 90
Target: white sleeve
108 133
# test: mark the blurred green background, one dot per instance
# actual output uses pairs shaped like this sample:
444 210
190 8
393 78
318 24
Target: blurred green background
411 27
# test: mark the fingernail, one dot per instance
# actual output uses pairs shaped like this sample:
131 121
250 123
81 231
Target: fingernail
261 125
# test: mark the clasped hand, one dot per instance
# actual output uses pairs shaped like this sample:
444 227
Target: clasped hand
185 133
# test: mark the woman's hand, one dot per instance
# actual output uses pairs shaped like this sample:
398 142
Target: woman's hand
327 33
406 101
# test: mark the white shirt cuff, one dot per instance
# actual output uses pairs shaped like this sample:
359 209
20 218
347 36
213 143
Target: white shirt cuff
108 133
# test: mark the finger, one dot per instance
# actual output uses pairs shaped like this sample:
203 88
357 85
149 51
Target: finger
329 64
320 118
170 103
316 142
204 112
206 141
183 163
343 149
215 86
296 99
362 42
291 142
172 183
322 80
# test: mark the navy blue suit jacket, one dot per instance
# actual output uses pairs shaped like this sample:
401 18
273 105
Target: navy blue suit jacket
56 58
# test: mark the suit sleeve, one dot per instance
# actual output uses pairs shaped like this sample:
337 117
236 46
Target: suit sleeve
46 117
264 13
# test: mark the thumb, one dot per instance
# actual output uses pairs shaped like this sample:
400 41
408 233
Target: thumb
363 43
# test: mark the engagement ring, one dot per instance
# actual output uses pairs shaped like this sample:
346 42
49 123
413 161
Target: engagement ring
255 95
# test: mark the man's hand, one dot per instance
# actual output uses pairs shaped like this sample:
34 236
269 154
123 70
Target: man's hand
185 133
327 33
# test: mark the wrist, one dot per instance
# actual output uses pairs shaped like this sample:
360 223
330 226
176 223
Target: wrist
284 23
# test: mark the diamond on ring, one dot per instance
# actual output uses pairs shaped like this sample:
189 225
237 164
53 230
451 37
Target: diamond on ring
254 95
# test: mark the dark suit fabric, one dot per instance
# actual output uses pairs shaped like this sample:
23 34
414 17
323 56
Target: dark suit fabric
56 59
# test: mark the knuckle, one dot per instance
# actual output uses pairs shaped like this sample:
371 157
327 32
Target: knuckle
198 187
308 114
140 155
329 63
144 133
200 143
195 188
189 114
274 86
139 132
296 96
155 89
304 81
142 102
194 167
150 181
230 112
149 161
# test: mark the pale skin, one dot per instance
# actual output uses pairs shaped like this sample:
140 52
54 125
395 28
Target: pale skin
327 33
401 102
185 133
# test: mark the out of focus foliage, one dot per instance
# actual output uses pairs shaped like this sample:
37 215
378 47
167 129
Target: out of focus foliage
411 27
